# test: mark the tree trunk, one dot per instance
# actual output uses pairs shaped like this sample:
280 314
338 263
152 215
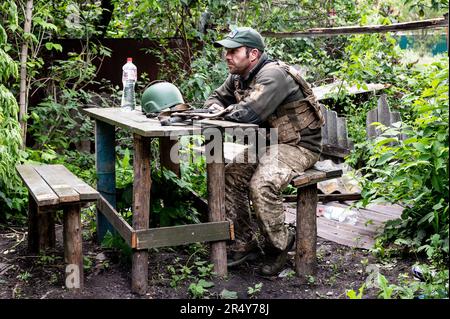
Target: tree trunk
23 97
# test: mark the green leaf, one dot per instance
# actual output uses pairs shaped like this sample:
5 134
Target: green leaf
205 284
386 140
385 157
421 147
55 46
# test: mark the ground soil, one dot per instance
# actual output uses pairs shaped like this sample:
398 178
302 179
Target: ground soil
108 273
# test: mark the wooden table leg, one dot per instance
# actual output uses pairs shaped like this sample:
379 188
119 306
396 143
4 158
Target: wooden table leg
305 257
73 247
165 147
216 197
141 210
106 172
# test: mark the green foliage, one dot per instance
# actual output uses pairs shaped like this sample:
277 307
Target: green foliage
198 290
193 167
255 290
24 276
117 243
415 171
351 294
10 134
435 286
199 270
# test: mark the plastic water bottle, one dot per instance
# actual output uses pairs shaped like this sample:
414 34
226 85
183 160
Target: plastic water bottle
129 77
341 215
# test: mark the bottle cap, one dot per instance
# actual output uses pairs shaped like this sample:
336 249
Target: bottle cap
129 59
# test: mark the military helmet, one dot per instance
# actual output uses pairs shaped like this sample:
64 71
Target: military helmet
160 95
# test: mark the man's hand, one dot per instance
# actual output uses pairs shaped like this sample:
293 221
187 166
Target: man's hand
214 108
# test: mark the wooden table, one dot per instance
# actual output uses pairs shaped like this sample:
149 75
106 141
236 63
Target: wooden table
144 129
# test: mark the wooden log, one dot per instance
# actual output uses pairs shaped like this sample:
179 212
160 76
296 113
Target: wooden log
73 247
141 210
168 146
306 240
216 202
317 32
33 235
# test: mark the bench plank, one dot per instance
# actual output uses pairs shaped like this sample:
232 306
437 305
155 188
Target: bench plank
39 189
65 176
64 191
313 176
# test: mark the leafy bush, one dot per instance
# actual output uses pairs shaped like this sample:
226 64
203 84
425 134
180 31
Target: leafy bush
414 172
10 136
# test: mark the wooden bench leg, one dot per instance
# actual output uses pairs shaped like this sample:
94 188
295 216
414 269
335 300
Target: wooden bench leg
41 228
33 235
46 229
306 240
73 250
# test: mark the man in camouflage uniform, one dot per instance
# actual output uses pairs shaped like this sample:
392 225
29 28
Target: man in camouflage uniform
272 95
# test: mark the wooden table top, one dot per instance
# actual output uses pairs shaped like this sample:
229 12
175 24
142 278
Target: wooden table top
138 123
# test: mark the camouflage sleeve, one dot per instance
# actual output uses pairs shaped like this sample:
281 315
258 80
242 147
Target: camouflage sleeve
223 95
272 86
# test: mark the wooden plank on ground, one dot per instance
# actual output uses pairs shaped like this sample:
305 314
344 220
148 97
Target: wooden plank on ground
85 191
64 190
39 189
351 240
391 210
181 235
372 215
360 235
117 221
327 197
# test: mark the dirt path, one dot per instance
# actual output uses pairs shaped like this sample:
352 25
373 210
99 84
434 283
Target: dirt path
173 270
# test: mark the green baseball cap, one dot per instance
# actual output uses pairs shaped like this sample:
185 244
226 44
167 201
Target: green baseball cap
242 36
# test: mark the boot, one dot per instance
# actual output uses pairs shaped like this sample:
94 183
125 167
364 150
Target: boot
248 253
277 259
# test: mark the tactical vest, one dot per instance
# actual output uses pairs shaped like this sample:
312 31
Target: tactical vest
293 117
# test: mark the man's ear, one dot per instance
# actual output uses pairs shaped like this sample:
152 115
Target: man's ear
254 54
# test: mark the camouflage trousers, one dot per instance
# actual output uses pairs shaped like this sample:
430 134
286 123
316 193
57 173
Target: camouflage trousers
263 183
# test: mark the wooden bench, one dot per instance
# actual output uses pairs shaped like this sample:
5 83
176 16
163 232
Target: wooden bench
51 188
